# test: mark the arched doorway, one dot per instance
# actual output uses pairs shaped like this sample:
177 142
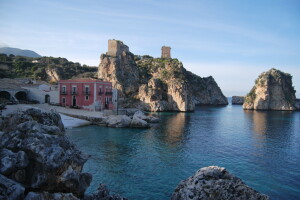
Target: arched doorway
5 96
21 96
47 98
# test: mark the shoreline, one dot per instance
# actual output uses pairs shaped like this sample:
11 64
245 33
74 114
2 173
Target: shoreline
68 121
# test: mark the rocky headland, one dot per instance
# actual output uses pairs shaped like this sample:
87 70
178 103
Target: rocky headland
215 183
39 162
273 90
156 84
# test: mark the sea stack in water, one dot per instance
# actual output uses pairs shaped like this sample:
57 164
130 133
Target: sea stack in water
215 183
156 84
273 90
237 100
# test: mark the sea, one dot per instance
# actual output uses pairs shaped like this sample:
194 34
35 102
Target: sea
260 147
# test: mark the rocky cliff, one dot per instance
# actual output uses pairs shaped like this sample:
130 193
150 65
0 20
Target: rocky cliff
273 90
156 84
215 183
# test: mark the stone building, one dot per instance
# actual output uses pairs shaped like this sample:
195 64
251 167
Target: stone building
165 52
115 47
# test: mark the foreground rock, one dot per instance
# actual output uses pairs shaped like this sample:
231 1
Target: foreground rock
215 183
10 189
273 90
35 153
156 84
102 193
237 100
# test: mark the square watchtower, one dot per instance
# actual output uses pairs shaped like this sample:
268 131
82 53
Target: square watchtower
165 52
115 47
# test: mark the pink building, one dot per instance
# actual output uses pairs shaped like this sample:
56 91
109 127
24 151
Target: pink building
88 94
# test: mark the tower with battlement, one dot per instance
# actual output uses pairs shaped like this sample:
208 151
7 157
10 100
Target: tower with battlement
116 47
165 52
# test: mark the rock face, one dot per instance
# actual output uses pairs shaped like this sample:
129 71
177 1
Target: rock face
53 75
273 90
237 100
120 68
156 84
10 189
35 153
215 183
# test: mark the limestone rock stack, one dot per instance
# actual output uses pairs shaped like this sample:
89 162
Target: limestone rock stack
156 84
273 90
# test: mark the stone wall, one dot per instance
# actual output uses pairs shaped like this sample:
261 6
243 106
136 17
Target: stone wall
39 95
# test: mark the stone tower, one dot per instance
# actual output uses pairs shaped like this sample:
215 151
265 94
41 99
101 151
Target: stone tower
165 52
115 47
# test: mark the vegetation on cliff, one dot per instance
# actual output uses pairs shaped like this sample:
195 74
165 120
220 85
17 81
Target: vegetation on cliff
27 67
161 68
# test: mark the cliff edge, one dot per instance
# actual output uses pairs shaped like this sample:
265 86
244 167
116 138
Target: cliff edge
273 90
156 84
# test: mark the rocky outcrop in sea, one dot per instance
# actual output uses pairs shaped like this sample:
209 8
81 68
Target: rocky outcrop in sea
237 100
273 90
156 84
38 161
215 183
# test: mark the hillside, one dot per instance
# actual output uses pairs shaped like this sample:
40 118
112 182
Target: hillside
43 68
18 52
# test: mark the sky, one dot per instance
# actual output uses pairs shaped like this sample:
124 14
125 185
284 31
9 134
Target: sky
233 40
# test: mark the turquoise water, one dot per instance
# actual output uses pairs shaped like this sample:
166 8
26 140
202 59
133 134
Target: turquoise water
262 148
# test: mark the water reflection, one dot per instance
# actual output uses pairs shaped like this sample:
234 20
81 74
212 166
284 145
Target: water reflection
174 128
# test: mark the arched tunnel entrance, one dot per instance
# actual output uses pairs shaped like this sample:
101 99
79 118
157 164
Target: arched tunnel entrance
21 96
5 96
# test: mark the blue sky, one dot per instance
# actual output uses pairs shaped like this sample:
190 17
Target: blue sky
234 41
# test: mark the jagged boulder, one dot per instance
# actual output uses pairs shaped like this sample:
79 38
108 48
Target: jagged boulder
10 189
13 164
33 145
102 193
149 119
48 196
137 122
118 121
273 90
215 183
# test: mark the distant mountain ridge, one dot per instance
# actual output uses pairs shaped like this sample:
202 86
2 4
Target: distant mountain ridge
19 52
